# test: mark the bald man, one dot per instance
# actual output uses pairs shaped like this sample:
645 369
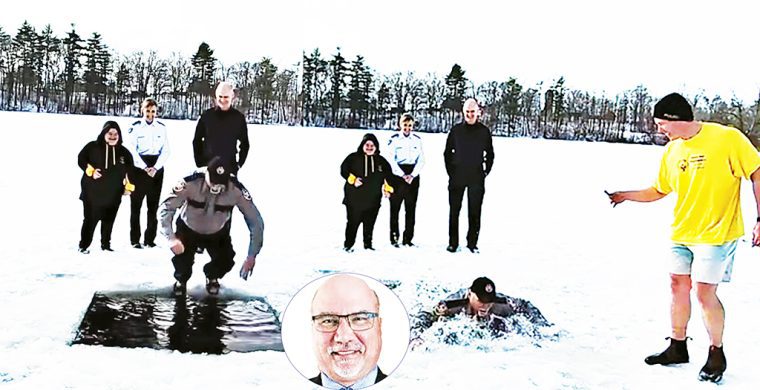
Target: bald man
469 158
347 333
222 131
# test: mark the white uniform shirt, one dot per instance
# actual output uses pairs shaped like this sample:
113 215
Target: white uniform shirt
145 138
406 150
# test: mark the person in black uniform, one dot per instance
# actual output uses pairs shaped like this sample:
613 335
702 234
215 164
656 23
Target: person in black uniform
222 131
365 172
149 145
469 158
105 163
406 160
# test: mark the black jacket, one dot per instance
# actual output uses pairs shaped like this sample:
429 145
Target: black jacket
469 150
372 170
217 134
114 163
380 376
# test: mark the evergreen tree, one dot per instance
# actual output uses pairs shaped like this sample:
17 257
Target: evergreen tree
359 92
264 84
456 84
337 74
72 51
202 80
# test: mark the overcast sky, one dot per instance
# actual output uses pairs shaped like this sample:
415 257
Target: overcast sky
599 46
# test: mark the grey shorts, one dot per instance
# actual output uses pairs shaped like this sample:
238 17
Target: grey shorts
705 263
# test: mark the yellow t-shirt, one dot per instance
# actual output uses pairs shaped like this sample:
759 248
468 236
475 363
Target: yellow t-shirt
705 171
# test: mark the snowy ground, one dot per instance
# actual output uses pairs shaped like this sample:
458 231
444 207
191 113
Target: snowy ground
548 235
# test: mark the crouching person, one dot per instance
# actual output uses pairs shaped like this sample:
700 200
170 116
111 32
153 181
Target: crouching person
205 200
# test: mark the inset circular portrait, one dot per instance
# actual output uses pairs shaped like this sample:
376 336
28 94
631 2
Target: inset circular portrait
345 330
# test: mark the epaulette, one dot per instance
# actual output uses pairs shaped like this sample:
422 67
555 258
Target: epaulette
417 136
194 176
136 122
160 123
241 187
394 135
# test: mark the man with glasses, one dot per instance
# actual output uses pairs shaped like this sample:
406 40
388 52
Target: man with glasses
206 199
149 145
482 302
347 333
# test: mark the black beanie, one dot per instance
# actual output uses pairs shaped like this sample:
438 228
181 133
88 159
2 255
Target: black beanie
485 289
217 172
673 107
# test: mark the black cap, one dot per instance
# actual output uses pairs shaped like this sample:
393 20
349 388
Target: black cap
485 289
673 107
217 172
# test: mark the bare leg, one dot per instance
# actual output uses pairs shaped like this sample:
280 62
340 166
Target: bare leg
680 306
713 313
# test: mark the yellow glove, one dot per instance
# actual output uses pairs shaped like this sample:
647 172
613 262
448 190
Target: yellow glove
351 179
128 187
387 187
90 170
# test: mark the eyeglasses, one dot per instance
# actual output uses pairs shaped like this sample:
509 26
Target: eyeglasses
356 321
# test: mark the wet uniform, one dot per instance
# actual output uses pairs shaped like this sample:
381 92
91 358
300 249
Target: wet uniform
499 318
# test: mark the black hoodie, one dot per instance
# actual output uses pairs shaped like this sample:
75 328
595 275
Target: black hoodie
113 161
372 170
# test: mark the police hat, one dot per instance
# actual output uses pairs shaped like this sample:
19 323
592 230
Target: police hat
485 289
217 172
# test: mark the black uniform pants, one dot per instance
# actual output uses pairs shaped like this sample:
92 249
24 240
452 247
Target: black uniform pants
475 191
93 214
405 193
148 188
355 217
218 246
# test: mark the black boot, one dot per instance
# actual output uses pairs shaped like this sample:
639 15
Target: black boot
676 353
715 366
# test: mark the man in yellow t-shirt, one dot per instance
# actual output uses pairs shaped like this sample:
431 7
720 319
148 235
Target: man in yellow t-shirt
703 164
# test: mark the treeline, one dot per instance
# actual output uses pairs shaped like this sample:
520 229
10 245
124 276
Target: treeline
40 71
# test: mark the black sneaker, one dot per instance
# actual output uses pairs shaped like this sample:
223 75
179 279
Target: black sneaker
83 251
368 247
452 248
212 286
106 248
473 249
676 353
136 245
179 289
199 250
407 243
715 366
150 244
395 244
348 249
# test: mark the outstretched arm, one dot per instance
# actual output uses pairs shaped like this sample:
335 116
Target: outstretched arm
646 195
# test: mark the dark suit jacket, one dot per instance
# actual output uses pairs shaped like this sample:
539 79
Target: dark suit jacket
380 376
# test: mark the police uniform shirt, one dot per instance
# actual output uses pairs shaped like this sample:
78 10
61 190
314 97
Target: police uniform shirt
148 139
406 150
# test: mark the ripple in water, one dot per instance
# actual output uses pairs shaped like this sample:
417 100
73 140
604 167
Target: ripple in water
152 319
